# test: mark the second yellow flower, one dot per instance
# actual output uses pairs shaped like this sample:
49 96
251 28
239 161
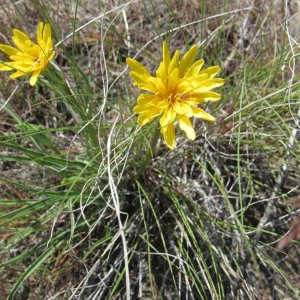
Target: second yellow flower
29 57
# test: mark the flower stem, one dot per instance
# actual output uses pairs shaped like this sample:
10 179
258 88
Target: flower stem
154 141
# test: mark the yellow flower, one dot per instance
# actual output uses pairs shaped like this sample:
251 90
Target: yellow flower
29 57
179 86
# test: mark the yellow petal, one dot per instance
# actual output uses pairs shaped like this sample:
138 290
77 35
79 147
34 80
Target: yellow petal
168 117
51 55
5 66
20 38
49 45
140 109
148 116
189 84
197 79
209 84
202 114
211 71
8 50
19 56
195 68
143 119
154 112
34 77
183 109
206 96
159 85
47 31
166 54
17 74
186 125
145 107
162 104
173 80
138 77
137 67
143 83
168 133
162 71
145 99
174 62
193 101
21 65
187 60
39 33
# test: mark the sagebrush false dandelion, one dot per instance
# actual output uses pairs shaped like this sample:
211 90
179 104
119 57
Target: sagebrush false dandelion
175 93
29 57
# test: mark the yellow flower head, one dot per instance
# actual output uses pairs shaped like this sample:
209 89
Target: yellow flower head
179 86
29 57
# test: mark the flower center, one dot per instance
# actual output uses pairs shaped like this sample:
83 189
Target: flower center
176 98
